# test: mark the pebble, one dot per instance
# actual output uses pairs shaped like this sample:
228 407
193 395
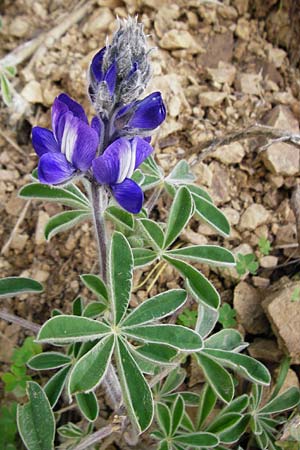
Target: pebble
211 98
179 39
230 154
99 22
265 349
224 73
19 27
254 216
249 83
268 262
42 220
32 92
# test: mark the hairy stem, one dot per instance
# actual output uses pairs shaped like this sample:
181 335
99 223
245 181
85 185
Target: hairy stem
99 200
95 437
4 315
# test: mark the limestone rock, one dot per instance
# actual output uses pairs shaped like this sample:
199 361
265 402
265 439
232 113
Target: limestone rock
43 218
243 29
247 303
254 216
32 92
19 26
232 215
224 73
179 39
268 261
230 154
211 98
220 186
99 22
284 315
249 83
265 349
281 158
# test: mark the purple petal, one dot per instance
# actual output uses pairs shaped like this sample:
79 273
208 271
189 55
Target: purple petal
129 195
108 166
133 70
142 150
59 110
96 65
97 125
147 139
53 168
85 144
73 106
110 77
149 113
43 141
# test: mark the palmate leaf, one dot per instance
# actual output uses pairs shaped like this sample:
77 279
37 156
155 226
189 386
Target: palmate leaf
197 440
228 339
89 370
197 283
180 174
121 218
152 232
64 221
211 215
248 367
208 399
287 400
218 378
160 354
35 420
143 256
224 422
48 360
163 415
156 307
173 381
96 285
208 254
88 405
179 215
234 433
55 385
11 286
64 329
207 319
175 336
177 412
70 196
136 392
120 270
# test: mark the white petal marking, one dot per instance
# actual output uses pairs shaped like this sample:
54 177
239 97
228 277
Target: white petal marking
132 159
124 160
69 138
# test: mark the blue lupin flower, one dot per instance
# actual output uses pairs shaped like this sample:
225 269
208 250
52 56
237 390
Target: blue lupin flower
115 167
70 148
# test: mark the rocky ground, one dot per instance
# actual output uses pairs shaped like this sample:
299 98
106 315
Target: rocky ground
221 68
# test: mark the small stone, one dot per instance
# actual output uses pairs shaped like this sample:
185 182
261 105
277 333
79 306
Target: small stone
247 303
282 118
230 154
19 27
43 218
196 374
291 380
14 205
232 215
32 92
18 241
179 39
212 98
265 349
249 83
283 310
203 173
276 56
268 262
243 29
99 22
286 234
224 73
260 282
194 238
254 216
220 186
9 175
41 275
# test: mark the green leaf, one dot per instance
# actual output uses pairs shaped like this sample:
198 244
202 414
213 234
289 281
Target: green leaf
77 306
208 254
64 221
153 233
264 245
246 263
177 413
207 319
10 70
187 318
5 90
218 378
181 174
283 371
35 420
248 367
179 215
157 353
156 307
228 339
224 422
175 336
211 215
227 316
18 285
143 256
88 405
55 385
66 329
48 360
197 440
121 218
66 196
201 288
235 433
163 416
238 405
289 399
89 370
120 269
207 403
195 189
136 392
96 285
94 309
173 381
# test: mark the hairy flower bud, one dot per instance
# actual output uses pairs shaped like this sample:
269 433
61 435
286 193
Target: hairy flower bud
119 72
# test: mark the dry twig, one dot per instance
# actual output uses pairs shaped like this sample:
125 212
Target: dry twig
6 246
4 315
